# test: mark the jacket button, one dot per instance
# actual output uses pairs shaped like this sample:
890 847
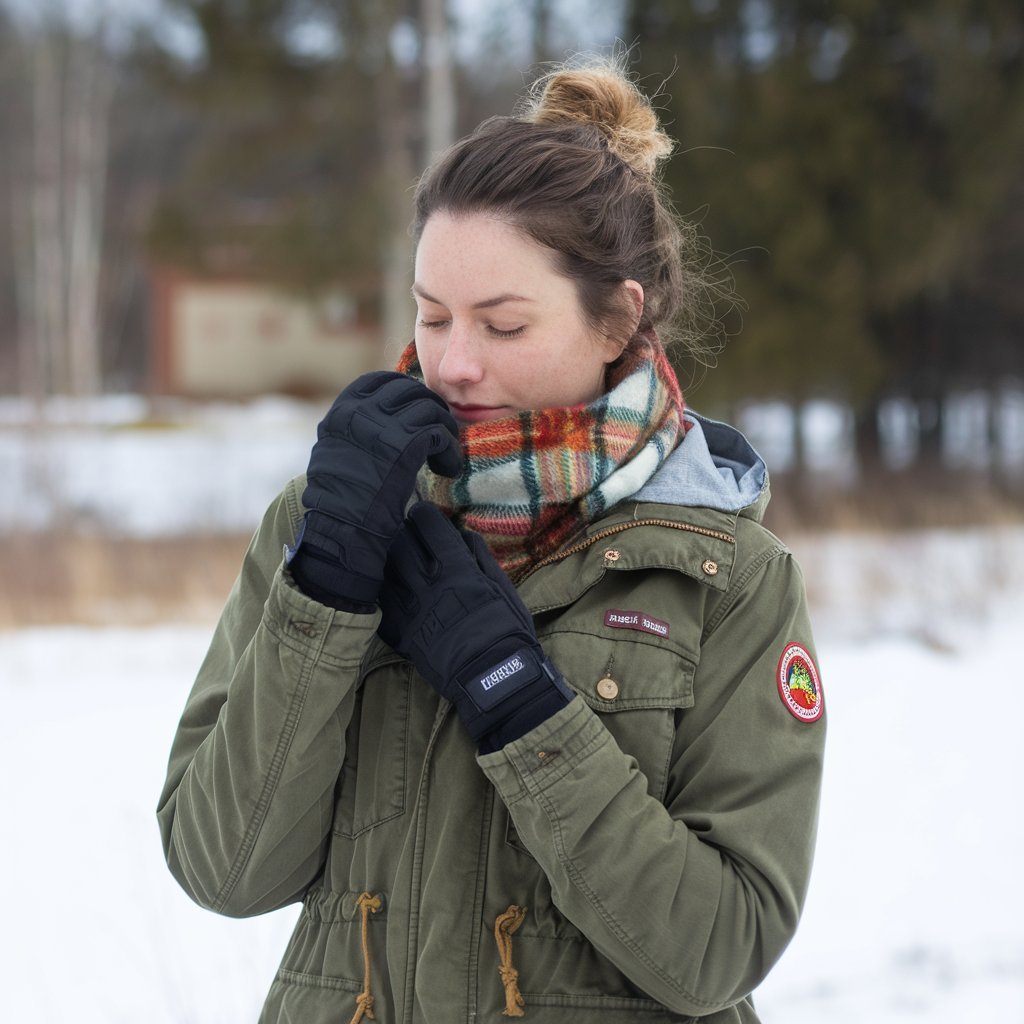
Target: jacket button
710 567
607 688
611 555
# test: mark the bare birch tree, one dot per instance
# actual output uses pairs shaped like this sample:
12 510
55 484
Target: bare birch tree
89 86
46 292
58 199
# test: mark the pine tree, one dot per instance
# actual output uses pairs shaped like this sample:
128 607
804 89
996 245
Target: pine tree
854 155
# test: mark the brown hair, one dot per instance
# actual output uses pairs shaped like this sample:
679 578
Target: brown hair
576 171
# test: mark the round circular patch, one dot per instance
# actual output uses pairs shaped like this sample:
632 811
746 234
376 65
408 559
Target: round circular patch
799 686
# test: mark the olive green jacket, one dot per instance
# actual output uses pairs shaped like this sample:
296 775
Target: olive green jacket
641 856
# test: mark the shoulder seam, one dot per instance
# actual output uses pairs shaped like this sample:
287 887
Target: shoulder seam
739 583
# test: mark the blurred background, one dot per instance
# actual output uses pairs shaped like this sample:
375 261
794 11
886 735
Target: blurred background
204 210
205 203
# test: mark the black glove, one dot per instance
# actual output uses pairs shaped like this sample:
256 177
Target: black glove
449 608
362 471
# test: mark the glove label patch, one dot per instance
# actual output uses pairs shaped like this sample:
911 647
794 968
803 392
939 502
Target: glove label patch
799 686
619 619
502 672
515 672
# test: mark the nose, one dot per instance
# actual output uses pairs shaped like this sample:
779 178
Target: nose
460 364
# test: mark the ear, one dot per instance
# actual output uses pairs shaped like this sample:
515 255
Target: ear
635 291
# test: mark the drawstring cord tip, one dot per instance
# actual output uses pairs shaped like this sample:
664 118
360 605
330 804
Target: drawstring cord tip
505 926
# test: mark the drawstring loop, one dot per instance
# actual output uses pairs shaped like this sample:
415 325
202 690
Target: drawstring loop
505 926
368 904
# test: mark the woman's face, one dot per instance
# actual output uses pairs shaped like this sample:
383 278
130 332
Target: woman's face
498 329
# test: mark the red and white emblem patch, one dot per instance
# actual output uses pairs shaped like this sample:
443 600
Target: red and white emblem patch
799 685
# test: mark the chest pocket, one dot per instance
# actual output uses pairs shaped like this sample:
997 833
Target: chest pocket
372 785
638 688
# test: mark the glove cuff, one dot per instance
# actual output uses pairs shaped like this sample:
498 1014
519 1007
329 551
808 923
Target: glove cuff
315 564
528 717
509 698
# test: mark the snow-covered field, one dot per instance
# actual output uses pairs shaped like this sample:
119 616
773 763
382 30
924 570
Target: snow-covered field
123 464
916 912
117 465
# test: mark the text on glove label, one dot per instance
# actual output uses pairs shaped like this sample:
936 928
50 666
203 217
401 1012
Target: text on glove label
503 671
507 677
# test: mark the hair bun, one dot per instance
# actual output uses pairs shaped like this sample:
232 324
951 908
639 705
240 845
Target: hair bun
602 96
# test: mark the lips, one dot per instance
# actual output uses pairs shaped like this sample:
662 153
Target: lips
478 413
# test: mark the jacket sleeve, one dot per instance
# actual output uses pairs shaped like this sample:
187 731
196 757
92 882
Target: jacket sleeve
246 809
692 899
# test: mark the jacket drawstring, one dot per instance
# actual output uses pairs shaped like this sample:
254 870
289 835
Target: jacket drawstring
364 1001
505 926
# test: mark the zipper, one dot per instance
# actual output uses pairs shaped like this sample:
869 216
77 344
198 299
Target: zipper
609 531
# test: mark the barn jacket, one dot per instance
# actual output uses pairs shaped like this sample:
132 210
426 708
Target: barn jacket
643 855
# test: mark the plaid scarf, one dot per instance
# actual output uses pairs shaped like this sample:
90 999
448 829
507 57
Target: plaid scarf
532 481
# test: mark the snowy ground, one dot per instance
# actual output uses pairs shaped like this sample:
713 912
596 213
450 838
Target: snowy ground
915 913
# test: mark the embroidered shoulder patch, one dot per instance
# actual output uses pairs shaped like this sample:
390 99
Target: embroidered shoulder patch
799 685
619 619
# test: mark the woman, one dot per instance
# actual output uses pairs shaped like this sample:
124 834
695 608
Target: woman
548 742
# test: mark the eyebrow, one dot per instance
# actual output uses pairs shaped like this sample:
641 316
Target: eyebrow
484 304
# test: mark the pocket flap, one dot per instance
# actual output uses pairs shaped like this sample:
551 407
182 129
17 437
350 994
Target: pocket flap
623 674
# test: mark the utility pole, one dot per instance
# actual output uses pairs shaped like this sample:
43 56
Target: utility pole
439 115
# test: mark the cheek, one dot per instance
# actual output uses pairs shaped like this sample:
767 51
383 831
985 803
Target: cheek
427 358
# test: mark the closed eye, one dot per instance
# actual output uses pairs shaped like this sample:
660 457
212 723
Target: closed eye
497 333
433 325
